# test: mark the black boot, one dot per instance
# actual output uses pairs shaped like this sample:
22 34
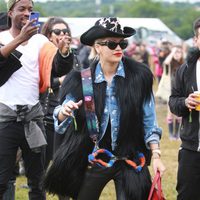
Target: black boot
10 192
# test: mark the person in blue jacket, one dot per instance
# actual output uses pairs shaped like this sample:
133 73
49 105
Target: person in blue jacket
107 113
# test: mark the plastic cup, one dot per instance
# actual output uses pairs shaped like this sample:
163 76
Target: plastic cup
197 98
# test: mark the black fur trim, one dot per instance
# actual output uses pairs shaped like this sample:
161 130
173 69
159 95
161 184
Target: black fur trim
136 185
65 175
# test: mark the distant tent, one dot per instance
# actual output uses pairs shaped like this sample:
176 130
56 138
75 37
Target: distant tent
189 42
154 26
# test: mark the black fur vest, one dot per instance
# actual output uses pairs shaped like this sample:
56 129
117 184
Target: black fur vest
70 162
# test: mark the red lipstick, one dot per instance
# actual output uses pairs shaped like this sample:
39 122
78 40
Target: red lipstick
118 54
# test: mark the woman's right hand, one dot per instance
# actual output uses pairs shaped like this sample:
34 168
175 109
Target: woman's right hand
68 108
158 166
63 44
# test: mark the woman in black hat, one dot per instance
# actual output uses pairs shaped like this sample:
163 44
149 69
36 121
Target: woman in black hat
107 113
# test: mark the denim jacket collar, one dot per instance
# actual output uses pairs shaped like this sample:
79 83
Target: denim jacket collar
99 76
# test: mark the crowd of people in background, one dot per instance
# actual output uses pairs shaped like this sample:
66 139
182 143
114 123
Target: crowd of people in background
163 59
56 53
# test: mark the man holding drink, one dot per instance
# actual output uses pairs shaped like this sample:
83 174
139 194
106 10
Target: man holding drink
185 102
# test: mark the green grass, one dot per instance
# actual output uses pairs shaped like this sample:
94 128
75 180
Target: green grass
169 158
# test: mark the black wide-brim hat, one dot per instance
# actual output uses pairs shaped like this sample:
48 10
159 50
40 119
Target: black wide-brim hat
106 27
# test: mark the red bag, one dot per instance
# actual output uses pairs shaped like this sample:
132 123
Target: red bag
156 192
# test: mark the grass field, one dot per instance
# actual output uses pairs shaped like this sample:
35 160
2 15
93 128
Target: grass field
169 156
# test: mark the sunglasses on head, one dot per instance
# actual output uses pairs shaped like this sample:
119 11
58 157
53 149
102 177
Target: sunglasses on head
58 31
113 45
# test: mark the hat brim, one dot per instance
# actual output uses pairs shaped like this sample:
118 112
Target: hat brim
97 32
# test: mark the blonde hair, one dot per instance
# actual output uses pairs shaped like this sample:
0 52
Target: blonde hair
93 54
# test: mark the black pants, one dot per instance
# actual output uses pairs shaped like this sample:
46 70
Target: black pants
11 137
95 180
10 192
188 183
50 142
58 139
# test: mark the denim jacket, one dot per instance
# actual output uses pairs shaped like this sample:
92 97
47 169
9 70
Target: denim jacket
112 112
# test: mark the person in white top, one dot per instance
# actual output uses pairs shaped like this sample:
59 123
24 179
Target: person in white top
21 115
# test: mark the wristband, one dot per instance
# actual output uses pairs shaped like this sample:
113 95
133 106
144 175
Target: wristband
155 156
156 151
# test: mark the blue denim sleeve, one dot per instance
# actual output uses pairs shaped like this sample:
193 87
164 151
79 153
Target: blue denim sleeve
152 131
60 128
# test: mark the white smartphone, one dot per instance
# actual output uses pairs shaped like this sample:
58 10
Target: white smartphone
34 15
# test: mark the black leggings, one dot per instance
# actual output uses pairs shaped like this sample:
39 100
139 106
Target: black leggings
95 180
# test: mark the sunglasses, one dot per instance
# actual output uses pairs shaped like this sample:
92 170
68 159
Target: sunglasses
113 45
58 31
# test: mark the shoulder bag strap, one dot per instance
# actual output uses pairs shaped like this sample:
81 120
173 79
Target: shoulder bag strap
89 105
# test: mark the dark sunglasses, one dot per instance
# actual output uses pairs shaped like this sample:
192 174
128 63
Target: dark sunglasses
113 45
58 31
